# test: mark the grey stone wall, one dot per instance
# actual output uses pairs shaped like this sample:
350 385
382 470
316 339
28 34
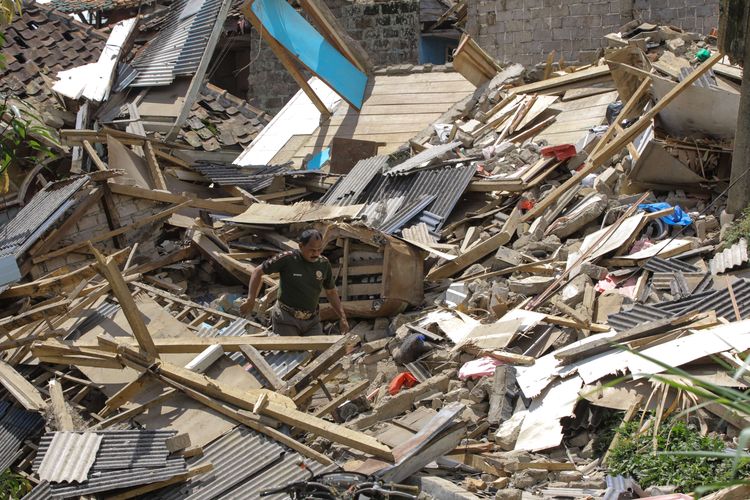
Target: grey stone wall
525 31
388 30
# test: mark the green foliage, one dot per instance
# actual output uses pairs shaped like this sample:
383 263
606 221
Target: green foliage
12 485
740 228
681 465
606 432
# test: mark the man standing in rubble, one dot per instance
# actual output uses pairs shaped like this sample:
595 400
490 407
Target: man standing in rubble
302 275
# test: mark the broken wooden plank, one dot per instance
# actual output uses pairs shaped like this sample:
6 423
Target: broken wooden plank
195 202
228 344
153 167
59 409
479 250
350 393
20 388
319 365
259 362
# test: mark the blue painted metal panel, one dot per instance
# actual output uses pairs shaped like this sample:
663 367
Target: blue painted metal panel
292 31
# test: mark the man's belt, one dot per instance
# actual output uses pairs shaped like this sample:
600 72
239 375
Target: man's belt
300 314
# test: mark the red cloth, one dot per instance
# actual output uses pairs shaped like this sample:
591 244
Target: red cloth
404 379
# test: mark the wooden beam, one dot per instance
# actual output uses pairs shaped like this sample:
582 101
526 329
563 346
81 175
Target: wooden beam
228 344
135 411
74 137
259 362
125 394
103 236
309 391
153 167
113 216
252 422
109 270
59 409
336 433
284 57
478 251
94 156
20 388
38 313
317 11
319 365
205 204
354 391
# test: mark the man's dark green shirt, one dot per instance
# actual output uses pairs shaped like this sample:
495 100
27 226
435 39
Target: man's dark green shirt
300 281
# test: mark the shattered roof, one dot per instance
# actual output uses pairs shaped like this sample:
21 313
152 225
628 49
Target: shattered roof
39 43
178 49
104 5
219 119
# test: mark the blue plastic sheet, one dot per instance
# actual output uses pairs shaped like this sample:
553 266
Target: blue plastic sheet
292 31
676 218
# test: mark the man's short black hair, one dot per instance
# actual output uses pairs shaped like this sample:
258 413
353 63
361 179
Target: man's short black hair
308 235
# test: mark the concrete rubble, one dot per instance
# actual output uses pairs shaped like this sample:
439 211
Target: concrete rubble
490 284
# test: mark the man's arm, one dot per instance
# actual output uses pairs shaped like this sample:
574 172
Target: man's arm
256 279
333 298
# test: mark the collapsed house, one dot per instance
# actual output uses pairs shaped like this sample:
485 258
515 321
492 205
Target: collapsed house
497 244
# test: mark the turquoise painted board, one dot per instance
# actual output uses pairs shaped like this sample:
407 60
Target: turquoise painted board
320 159
297 35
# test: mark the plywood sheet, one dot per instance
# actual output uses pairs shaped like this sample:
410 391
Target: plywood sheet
397 108
576 118
681 120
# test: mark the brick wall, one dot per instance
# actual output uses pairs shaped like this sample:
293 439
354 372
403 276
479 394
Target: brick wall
389 32
94 222
525 31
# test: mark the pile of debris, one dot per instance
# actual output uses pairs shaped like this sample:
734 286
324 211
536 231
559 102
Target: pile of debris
493 263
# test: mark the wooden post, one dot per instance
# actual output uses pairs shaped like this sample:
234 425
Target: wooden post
109 270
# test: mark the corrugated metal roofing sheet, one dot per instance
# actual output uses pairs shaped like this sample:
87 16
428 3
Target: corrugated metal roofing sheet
408 211
236 456
105 310
282 473
709 300
349 188
125 449
16 425
447 184
178 48
115 479
422 159
39 492
252 179
44 209
69 456
659 265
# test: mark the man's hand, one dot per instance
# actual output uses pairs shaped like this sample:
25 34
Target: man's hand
344 326
247 307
